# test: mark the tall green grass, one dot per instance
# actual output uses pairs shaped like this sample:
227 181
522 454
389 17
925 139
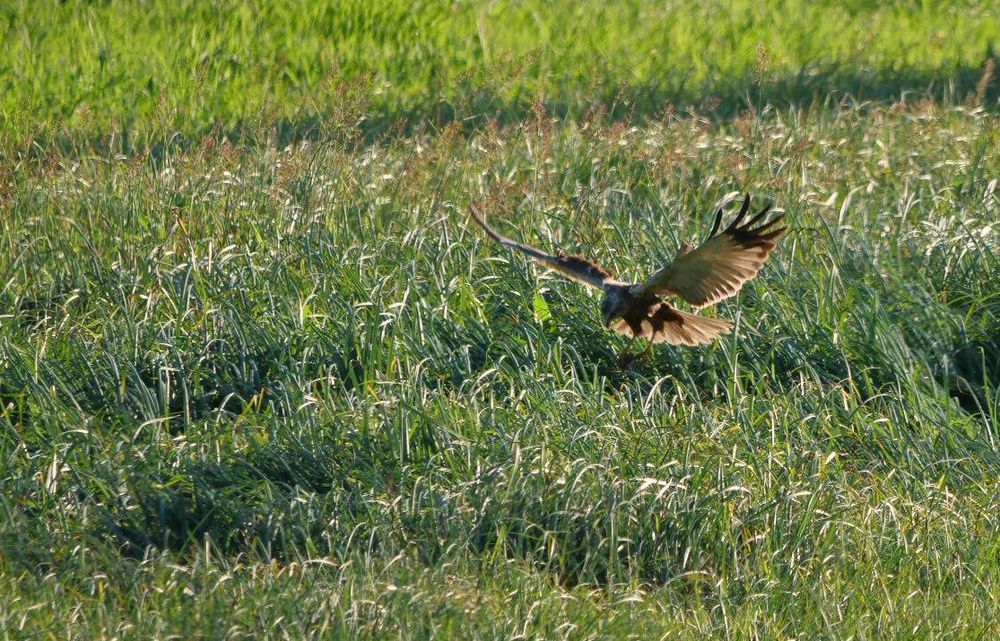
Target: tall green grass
253 389
298 383
126 75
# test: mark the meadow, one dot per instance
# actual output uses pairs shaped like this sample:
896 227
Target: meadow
261 378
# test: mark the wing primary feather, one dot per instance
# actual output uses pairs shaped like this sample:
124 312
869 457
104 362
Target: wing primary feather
756 219
771 223
528 250
718 223
722 264
578 268
477 215
743 212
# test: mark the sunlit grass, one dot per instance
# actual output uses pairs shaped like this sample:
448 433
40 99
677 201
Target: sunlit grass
127 75
300 375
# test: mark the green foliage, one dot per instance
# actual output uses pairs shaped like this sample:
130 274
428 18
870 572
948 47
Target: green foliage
130 74
250 389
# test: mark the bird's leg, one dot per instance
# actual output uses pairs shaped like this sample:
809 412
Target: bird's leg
627 359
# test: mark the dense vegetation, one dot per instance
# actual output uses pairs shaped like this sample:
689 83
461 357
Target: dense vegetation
260 377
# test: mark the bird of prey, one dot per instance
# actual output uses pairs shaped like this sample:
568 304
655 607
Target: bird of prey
710 273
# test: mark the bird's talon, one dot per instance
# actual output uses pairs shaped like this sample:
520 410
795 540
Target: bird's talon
626 360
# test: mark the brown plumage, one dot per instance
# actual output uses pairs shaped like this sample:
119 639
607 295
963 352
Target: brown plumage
713 272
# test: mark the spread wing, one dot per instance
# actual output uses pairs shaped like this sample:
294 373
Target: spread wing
718 268
578 268
661 323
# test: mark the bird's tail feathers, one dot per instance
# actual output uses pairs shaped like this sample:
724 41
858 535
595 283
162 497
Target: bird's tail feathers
663 323
692 329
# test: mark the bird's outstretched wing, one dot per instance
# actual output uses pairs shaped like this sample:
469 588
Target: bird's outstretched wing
581 269
718 268
661 323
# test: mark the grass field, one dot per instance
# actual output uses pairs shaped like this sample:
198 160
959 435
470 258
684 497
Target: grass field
260 378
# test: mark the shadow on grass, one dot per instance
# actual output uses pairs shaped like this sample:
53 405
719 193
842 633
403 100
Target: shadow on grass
339 498
254 504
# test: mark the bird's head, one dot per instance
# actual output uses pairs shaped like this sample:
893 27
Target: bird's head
614 305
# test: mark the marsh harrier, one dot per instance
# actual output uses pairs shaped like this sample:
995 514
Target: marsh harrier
713 272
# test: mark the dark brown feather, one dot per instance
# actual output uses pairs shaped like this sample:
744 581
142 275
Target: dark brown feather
719 267
578 268
582 265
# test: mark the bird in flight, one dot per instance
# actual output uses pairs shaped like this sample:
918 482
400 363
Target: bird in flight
710 273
